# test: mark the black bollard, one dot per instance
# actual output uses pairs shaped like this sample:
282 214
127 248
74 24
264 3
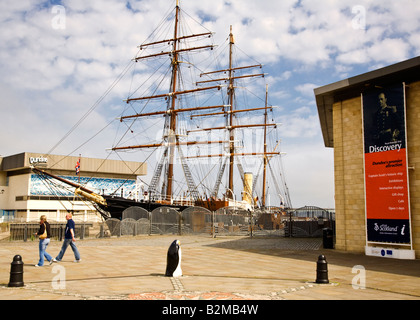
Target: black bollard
16 272
322 270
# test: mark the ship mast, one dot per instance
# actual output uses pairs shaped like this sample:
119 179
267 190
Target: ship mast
265 149
170 138
231 92
231 126
172 127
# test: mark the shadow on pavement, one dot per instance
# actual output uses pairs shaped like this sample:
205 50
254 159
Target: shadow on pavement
308 249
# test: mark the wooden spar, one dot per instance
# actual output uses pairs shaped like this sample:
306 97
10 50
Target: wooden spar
233 69
226 79
145 115
235 154
227 112
144 146
173 93
172 52
169 111
235 127
177 143
209 114
170 40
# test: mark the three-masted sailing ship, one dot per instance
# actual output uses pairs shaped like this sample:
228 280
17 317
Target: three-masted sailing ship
201 128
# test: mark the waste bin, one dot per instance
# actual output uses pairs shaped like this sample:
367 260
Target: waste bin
328 238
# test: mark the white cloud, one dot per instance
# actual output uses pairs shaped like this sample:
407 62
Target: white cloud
389 50
299 126
306 89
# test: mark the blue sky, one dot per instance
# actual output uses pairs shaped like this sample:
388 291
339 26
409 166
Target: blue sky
57 61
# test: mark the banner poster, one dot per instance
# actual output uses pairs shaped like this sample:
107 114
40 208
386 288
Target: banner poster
386 171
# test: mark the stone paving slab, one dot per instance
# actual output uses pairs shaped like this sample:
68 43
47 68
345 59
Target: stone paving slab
222 268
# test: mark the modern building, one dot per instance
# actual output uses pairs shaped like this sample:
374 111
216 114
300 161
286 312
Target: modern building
373 123
26 195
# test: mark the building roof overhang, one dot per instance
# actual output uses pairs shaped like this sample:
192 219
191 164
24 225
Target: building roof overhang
25 160
405 71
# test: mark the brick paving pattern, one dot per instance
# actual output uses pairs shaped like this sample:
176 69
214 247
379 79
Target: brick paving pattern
221 268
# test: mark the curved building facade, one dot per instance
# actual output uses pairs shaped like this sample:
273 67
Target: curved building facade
25 195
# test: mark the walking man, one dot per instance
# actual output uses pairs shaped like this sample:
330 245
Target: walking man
68 240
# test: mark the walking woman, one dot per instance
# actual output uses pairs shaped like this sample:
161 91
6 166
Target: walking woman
44 234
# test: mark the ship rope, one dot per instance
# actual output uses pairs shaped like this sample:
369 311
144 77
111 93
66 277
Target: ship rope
94 106
203 172
130 65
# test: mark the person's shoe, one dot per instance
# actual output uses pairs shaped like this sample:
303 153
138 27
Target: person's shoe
77 261
37 265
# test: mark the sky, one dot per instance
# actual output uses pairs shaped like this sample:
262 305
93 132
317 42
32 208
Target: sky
58 58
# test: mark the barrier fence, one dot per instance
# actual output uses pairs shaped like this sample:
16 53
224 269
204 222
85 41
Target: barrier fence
26 231
194 220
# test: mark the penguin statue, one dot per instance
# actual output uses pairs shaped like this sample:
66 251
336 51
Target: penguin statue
173 262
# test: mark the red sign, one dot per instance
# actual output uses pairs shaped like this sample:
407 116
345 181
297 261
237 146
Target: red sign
386 185
386 179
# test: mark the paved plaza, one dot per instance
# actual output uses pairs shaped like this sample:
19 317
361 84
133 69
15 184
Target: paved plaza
221 268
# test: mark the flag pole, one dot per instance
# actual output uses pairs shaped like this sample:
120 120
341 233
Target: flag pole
78 169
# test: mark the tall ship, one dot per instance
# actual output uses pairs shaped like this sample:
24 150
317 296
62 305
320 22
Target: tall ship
193 113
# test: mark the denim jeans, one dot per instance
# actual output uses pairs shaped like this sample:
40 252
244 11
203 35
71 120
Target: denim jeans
66 243
43 243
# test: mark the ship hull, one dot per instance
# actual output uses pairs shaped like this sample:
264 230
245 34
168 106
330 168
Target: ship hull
116 205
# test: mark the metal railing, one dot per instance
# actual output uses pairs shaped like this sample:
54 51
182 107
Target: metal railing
193 220
26 231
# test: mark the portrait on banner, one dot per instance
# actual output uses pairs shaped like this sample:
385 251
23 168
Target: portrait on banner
385 165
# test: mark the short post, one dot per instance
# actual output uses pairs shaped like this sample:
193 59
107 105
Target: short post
25 233
101 232
322 270
16 272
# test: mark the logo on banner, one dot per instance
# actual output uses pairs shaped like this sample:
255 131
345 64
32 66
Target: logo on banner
386 228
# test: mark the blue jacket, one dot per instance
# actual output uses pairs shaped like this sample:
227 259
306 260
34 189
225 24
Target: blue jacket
70 225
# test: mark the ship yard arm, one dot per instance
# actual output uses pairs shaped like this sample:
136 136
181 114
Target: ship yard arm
174 93
172 111
176 143
234 127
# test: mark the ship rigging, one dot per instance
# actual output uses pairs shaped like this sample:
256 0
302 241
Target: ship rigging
202 140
